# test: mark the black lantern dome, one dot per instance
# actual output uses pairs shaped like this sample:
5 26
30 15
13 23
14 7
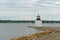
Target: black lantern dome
38 17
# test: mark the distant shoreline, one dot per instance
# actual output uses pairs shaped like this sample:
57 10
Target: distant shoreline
27 21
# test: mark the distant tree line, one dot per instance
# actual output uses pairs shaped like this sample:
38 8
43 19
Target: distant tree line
16 21
26 21
45 21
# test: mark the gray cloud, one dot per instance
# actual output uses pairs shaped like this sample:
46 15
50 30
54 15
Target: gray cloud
29 9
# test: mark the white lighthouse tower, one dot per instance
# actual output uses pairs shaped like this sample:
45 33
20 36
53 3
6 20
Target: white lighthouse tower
38 22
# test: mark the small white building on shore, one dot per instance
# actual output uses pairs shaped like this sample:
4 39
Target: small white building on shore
38 21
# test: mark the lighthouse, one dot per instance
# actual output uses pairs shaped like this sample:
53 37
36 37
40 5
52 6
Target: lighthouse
38 22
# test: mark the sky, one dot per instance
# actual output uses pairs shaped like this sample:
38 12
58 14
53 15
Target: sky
29 9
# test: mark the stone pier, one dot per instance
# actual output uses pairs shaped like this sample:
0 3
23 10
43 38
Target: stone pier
35 36
49 33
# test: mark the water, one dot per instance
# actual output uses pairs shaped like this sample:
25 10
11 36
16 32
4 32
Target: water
9 30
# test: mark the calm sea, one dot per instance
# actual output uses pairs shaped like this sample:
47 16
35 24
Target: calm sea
10 30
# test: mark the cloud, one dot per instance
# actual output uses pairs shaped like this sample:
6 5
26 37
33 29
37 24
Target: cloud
29 9
57 2
7 18
25 2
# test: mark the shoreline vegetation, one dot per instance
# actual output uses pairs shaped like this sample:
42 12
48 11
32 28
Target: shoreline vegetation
27 21
16 21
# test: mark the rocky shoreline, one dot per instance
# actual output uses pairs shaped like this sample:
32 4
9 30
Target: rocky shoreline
34 36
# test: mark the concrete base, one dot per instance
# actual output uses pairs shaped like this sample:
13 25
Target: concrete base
46 28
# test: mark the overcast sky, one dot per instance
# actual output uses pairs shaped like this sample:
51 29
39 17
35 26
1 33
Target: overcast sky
29 9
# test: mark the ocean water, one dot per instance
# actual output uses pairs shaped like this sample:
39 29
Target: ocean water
11 30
